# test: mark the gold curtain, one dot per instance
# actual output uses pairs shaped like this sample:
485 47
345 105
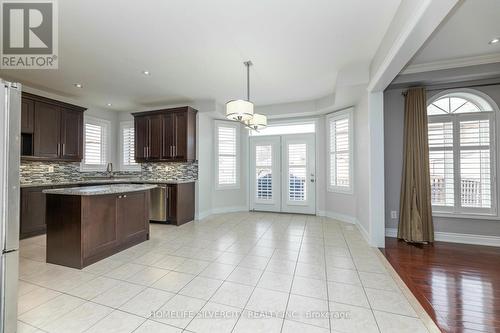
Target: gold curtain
415 222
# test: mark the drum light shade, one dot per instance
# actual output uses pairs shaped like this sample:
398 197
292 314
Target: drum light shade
239 110
258 121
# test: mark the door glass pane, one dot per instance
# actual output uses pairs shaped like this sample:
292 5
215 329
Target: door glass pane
264 174
297 169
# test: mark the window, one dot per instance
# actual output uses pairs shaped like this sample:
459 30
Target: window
462 153
227 144
95 144
340 151
127 161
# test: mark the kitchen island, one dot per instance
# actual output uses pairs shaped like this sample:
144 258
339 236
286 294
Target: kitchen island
87 224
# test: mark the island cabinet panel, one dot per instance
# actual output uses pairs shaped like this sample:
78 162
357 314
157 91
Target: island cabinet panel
133 218
166 135
99 227
52 130
82 230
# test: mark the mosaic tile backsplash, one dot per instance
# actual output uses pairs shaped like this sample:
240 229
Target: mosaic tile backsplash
65 172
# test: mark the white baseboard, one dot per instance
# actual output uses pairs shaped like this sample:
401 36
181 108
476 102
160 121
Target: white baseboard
347 219
452 237
363 232
221 210
338 216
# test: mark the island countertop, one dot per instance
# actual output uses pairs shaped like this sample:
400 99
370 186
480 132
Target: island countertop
101 190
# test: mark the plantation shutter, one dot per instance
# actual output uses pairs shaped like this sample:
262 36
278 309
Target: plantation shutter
475 164
340 155
95 144
128 145
227 155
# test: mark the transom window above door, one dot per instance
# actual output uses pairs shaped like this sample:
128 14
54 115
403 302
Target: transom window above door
461 135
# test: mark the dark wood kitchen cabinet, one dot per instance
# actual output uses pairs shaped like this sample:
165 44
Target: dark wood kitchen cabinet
57 129
148 134
180 203
82 230
32 211
27 116
166 135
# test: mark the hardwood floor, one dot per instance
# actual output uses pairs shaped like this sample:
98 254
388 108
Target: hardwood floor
457 284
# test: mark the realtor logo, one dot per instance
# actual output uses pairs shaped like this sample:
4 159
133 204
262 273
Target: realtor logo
29 34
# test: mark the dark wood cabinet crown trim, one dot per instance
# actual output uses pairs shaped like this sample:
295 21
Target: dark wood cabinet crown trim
63 105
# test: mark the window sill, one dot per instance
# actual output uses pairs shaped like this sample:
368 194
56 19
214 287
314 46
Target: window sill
466 216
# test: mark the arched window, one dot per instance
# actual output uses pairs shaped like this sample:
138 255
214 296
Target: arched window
462 152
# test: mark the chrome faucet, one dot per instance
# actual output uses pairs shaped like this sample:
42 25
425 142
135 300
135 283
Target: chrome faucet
109 169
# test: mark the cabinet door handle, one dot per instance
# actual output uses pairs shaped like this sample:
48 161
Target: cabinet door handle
64 149
144 152
125 196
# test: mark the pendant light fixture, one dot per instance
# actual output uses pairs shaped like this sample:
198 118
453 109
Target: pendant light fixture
242 110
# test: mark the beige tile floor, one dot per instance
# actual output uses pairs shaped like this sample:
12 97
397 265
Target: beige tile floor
238 272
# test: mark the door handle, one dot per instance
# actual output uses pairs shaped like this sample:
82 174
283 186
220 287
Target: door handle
63 148
144 152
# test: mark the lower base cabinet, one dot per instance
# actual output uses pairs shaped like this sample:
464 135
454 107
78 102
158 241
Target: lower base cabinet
180 204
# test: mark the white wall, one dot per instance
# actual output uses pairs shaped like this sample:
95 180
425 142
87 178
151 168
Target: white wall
205 153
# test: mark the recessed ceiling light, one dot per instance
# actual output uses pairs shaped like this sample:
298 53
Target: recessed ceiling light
494 41
109 104
78 85
147 73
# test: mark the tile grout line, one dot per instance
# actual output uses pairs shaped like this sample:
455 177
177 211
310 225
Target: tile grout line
293 275
103 275
361 281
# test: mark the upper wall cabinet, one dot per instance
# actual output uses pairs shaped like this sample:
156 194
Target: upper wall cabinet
165 135
51 130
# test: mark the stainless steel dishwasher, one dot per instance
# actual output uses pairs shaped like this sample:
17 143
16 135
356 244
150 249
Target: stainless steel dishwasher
159 204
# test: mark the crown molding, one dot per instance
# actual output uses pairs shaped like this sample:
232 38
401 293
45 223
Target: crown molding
452 63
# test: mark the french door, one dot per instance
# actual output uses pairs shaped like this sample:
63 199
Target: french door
282 173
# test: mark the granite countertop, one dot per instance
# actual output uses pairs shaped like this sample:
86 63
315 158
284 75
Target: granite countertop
100 190
110 180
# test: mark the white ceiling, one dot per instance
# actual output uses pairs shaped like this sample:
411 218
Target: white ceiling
464 34
195 49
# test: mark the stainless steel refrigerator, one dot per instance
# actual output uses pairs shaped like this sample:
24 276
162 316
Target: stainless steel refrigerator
10 128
